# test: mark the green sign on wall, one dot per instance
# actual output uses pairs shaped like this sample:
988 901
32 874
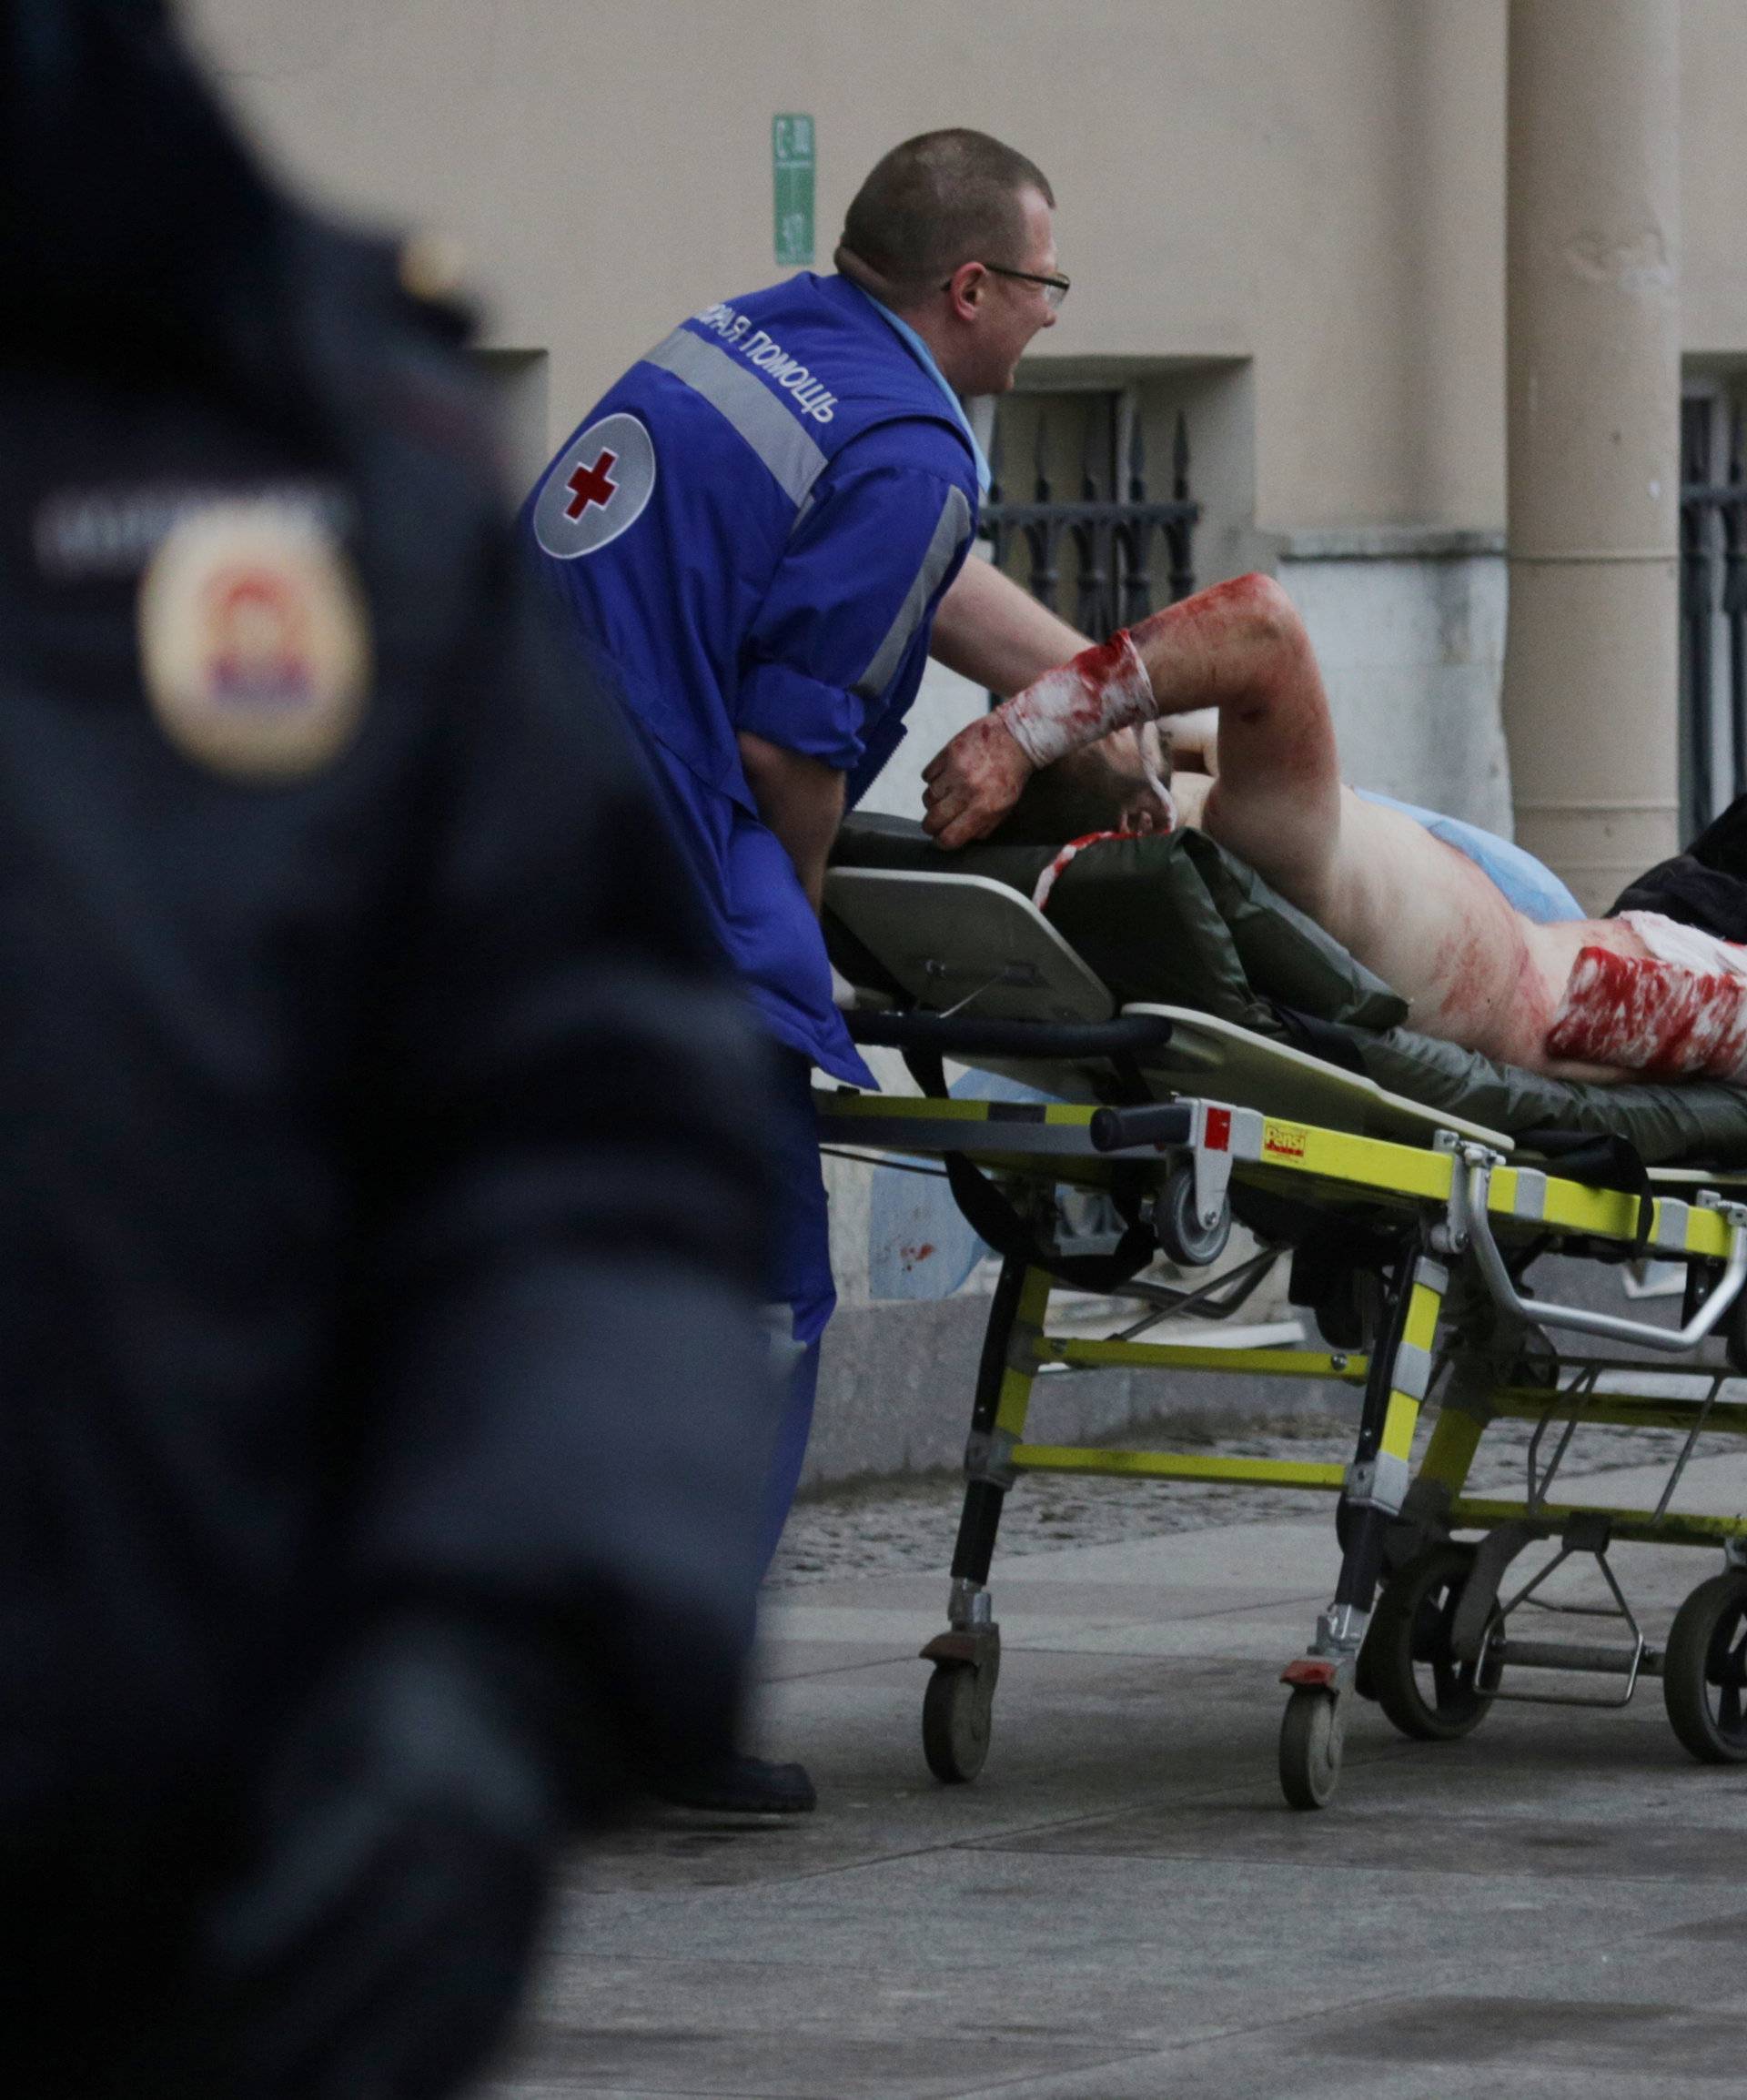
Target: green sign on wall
792 179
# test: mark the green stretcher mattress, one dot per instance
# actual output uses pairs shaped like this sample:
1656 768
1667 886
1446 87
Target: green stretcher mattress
1176 921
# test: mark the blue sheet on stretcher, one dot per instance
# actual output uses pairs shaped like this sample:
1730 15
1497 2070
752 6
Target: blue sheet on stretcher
1532 886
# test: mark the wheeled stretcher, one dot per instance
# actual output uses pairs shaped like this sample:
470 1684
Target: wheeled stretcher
1411 1224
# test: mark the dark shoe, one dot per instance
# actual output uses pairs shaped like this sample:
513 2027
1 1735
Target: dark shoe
744 1785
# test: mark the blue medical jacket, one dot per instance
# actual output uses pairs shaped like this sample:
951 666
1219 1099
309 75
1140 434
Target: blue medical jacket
756 526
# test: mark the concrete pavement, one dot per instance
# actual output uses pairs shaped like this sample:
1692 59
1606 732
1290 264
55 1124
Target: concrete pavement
1123 1906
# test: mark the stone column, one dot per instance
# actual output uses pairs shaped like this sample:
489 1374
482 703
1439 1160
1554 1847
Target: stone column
1592 327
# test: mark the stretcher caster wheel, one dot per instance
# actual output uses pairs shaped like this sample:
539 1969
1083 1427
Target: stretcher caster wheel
1312 1734
1705 1672
1425 1691
957 1719
1180 1229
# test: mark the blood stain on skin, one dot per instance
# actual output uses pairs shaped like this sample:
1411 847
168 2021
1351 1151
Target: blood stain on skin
1531 1008
1212 612
1645 1015
1466 982
978 754
1231 647
1487 989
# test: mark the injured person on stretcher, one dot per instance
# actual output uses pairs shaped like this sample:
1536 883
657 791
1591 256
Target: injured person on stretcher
1595 999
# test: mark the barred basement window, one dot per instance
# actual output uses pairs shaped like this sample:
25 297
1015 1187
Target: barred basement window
1110 553
1713 604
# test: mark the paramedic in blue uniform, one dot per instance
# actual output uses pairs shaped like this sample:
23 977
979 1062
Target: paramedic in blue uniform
757 524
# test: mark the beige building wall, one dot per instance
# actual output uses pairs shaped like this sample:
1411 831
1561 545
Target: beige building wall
1317 185
1313 185
1713 178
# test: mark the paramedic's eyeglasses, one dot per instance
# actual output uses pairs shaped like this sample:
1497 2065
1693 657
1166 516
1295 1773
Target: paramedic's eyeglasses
1055 289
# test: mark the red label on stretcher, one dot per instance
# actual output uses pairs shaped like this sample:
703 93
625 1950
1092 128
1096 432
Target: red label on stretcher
1284 1140
1217 1137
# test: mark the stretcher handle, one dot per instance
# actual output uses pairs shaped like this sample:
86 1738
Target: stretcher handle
1162 1123
1129 1035
1670 1341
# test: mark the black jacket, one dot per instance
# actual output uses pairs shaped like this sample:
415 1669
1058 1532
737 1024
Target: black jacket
377 1152
380 1199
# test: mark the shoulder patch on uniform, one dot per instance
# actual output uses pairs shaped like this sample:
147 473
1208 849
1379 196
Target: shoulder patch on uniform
597 488
254 641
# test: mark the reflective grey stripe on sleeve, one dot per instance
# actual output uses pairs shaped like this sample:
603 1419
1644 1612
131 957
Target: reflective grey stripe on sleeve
769 428
951 532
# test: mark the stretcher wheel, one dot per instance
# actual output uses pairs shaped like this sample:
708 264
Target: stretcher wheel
1179 1225
1705 1672
1313 1732
1412 1675
957 1712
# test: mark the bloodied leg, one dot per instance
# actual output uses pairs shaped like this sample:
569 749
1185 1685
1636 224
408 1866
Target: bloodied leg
1425 917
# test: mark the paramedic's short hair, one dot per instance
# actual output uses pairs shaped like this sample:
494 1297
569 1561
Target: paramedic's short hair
940 199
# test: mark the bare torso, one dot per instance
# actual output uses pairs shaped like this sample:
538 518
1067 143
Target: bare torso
1436 928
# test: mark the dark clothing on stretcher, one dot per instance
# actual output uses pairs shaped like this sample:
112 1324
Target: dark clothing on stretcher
1705 886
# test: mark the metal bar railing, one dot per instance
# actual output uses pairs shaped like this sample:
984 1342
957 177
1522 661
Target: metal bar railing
1112 535
1713 595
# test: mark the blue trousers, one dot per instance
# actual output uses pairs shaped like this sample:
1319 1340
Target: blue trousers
799 1278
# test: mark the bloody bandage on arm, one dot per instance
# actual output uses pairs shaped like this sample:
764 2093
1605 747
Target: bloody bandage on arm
1100 690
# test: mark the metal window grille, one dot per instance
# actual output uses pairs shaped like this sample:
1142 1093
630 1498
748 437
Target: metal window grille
1113 528
1713 610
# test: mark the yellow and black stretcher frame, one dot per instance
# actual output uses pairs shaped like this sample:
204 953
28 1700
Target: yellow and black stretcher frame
1417 1620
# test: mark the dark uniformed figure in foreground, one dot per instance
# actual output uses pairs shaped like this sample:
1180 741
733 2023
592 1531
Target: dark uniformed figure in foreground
381 1418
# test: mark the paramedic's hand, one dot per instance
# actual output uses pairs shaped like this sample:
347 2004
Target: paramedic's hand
973 782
